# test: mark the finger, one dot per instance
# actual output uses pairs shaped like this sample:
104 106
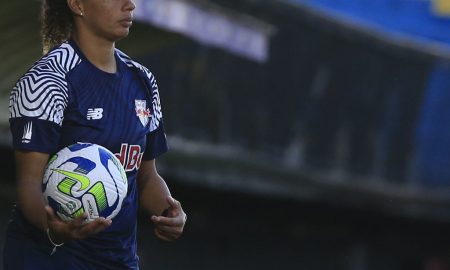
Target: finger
173 203
172 236
93 227
79 221
169 221
98 224
162 236
173 212
170 230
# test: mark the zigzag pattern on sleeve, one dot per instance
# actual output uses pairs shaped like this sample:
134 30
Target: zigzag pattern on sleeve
42 92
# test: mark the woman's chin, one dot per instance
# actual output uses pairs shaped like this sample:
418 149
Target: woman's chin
119 35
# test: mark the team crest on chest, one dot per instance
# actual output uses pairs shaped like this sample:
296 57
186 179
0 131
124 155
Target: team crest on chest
142 111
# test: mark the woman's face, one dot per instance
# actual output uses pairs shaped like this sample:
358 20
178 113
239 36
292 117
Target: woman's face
110 19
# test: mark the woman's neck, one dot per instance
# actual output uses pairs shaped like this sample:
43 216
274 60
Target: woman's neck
98 51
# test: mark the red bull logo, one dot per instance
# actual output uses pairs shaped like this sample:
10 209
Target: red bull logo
142 111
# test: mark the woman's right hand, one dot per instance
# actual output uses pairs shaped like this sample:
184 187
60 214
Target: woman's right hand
30 167
77 229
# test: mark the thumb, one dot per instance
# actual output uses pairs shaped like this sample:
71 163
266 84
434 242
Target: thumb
50 213
173 203
174 208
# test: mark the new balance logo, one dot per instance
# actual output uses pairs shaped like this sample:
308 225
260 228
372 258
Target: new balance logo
95 114
27 132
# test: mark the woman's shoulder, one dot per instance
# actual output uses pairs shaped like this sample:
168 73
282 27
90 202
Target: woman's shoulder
54 65
61 59
133 64
127 59
46 79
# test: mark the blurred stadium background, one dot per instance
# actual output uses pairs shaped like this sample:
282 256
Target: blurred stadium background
304 134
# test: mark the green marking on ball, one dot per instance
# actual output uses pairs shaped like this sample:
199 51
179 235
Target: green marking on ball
66 185
53 158
99 193
77 177
78 213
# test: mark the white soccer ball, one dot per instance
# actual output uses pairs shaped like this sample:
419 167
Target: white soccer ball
85 178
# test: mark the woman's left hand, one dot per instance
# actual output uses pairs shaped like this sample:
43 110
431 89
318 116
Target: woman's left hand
170 227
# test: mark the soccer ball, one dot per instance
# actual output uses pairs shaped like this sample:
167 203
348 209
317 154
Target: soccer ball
85 178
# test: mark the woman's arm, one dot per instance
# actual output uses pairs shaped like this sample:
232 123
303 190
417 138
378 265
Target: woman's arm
153 190
30 168
155 198
29 172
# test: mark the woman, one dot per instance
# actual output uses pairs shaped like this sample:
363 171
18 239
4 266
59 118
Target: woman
84 89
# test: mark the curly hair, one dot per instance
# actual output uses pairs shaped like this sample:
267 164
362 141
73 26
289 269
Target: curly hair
57 23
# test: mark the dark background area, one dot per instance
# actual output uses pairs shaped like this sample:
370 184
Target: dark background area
242 231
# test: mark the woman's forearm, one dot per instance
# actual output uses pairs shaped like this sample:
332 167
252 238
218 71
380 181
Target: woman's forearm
153 190
31 203
29 173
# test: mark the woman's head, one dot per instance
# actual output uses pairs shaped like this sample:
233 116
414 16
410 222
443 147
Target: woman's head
107 19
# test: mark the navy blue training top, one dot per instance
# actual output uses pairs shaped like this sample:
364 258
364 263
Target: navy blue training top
64 99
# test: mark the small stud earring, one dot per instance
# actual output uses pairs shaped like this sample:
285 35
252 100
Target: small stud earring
81 13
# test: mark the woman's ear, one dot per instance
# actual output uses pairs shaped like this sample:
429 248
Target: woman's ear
76 6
